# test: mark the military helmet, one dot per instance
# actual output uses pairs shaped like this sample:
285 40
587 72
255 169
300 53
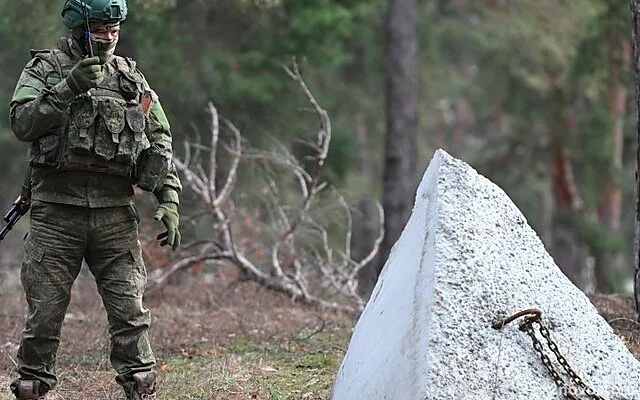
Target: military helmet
76 12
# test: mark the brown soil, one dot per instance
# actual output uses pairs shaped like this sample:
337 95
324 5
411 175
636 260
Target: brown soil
185 317
619 312
188 319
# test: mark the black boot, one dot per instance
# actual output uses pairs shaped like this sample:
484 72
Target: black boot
143 386
27 390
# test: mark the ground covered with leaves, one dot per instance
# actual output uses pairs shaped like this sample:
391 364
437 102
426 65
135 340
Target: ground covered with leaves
619 311
218 339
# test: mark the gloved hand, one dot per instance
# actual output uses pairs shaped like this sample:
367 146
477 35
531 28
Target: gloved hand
86 74
168 213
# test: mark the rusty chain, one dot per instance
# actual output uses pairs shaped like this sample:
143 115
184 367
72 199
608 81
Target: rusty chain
533 317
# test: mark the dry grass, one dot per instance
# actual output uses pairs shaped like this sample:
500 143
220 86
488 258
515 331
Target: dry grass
213 340
619 311
218 340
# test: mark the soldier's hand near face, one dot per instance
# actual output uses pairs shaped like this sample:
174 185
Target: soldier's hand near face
86 74
168 214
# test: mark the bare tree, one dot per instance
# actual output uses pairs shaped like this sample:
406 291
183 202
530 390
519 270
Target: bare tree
284 243
402 104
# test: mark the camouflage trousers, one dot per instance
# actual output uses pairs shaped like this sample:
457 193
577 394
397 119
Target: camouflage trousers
60 237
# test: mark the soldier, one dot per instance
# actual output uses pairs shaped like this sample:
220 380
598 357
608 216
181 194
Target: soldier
96 129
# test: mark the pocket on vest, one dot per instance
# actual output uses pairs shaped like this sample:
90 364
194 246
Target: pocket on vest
80 138
132 140
44 150
110 128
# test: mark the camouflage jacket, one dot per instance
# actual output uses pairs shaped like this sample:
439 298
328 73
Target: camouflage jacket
84 148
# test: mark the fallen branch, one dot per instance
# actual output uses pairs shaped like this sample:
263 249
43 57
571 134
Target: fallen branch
288 250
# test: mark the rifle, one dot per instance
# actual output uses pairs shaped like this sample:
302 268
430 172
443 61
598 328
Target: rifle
19 207
16 211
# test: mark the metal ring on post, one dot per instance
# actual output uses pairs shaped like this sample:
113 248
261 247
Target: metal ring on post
533 315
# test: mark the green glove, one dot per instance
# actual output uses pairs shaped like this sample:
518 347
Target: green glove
86 74
168 213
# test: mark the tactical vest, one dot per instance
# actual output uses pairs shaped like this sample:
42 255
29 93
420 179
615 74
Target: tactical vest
104 129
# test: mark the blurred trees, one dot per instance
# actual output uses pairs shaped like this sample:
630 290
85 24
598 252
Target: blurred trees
402 120
539 110
533 93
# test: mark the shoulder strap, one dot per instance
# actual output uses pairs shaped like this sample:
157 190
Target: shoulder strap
50 57
127 67
131 63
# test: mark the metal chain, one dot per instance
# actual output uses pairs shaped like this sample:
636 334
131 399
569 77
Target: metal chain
534 317
565 364
537 346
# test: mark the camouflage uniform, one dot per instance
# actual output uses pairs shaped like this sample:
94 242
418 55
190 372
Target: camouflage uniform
83 155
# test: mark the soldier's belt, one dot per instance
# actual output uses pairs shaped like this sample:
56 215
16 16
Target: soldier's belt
90 164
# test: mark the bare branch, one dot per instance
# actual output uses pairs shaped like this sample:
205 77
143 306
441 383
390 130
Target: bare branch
284 243
376 245
187 263
187 152
284 222
324 136
233 172
349 227
215 133
193 181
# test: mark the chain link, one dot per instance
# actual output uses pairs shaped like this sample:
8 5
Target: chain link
537 346
569 391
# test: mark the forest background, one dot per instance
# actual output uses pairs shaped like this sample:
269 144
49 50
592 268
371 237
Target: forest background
537 95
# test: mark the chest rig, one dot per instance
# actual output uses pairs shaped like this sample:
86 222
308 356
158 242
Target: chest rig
105 128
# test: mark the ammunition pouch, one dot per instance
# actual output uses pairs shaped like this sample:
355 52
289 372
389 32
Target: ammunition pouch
45 151
105 135
152 168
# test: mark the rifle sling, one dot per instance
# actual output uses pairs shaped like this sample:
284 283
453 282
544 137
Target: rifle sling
26 186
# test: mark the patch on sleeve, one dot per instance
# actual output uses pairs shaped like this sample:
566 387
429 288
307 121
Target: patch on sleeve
158 113
24 94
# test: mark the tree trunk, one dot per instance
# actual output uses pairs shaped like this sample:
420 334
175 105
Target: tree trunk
610 202
567 248
401 109
635 12
364 227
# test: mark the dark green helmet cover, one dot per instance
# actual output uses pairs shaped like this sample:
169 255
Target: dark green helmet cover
76 12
